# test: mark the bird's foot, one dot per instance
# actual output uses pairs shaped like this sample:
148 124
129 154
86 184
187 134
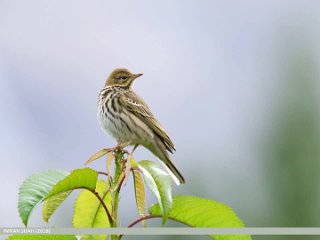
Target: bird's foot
121 146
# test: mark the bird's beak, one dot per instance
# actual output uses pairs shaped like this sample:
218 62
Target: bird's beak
137 75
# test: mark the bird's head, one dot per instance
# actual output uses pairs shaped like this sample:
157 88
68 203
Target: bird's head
121 77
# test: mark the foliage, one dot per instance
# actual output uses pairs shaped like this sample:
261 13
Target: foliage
51 204
97 204
79 178
35 189
139 193
201 212
160 184
89 212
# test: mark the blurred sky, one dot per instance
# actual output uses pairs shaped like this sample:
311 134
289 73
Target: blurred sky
213 76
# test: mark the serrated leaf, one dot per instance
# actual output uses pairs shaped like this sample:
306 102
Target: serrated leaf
201 212
34 189
160 184
51 204
97 155
79 178
89 212
42 237
139 193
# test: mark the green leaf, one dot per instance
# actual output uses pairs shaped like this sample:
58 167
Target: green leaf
89 212
51 204
201 212
139 193
79 178
160 184
41 237
34 189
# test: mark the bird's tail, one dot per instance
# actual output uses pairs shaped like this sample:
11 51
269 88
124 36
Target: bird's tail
158 149
173 171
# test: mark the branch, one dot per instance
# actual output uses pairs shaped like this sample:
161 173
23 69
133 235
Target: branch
103 173
103 204
143 218
117 189
140 220
101 201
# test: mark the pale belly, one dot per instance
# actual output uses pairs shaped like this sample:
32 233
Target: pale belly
123 129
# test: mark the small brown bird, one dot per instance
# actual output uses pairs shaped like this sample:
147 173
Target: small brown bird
124 115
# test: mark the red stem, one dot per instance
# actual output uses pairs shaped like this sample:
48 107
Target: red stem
104 206
143 218
101 201
103 173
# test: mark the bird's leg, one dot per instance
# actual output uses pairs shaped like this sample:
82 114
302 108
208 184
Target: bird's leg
121 146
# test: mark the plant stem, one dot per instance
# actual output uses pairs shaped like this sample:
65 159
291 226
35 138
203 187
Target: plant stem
143 218
116 186
103 173
104 205
140 220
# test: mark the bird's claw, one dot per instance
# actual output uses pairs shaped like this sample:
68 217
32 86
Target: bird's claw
121 146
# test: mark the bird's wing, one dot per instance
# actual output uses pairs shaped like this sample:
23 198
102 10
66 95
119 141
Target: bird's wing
133 103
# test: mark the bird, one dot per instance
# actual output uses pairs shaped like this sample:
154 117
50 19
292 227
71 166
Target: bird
127 118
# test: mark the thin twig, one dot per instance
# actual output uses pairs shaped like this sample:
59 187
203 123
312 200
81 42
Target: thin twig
103 173
101 201
140 220
143 218
120 184
103 204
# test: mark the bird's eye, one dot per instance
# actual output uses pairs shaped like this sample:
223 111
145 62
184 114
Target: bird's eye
123 78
